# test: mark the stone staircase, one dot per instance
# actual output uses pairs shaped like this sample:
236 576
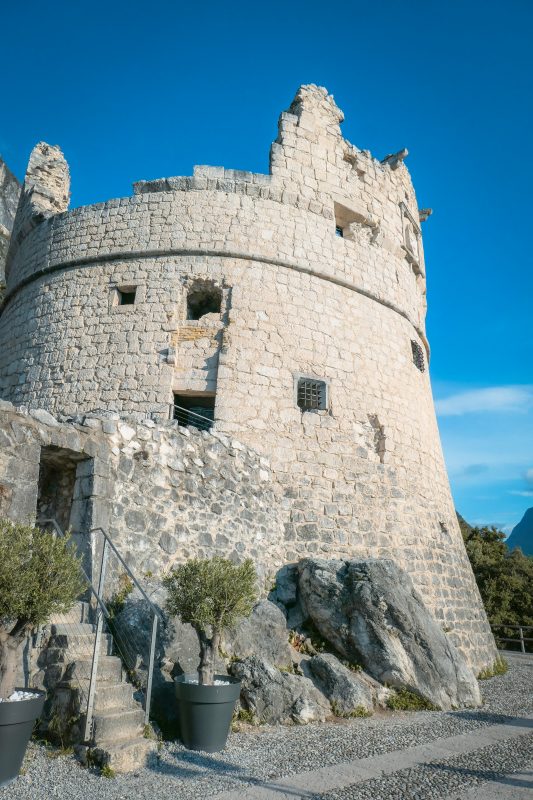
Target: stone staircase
117 739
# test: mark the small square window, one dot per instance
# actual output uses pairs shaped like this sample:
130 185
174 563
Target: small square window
418 356
312 394
339 231
195 410
126 296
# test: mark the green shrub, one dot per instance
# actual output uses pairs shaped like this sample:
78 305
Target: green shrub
40 575
211 595
499 667
243 716
405 700
504 578
107 772
118 601
359 711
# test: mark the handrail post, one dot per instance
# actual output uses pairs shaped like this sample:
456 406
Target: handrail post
97 645
148 698
522 643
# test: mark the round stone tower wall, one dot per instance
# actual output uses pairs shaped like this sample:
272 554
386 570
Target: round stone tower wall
320 270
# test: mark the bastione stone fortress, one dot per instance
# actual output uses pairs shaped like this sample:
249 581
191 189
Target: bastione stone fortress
288 308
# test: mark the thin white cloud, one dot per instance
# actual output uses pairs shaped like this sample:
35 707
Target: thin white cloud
519 493
491 399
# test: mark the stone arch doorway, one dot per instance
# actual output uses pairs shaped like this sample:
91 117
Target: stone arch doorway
65 493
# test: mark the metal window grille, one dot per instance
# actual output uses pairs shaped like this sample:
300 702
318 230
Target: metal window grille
418 356
311 394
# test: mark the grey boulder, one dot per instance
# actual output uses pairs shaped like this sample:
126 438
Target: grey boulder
285 595
264 633
276 697
372 615
346 691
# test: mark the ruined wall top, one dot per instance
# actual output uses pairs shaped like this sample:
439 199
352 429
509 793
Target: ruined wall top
322 181
9 197
315 100
47 179
45 193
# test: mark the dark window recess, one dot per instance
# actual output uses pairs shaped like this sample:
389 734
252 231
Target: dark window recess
339 231
202 300
197 411
312 394
126 297
418 356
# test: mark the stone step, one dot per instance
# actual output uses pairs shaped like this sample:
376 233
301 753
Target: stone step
118 725
81 644
109 670
72 628
114 697
80 612
110 698
124 756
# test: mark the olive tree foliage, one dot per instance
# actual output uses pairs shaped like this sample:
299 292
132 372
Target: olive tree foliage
211 595
40 575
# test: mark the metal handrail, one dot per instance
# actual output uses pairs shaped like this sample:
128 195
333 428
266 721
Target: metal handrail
155 620
104 612
128 570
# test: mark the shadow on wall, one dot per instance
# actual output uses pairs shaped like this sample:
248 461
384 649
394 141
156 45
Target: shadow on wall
64 494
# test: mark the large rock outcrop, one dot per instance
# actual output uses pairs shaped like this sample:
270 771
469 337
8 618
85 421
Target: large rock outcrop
372 615
276 697
347 691
263 634
367 610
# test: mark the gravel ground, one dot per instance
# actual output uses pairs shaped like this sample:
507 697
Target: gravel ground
443 779
268 753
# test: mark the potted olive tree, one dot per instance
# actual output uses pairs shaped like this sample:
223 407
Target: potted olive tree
211 595
39 575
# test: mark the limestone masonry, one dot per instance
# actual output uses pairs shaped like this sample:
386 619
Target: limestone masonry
288 307
9 196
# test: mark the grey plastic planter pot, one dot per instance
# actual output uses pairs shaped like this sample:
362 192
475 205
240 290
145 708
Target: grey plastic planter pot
205 712
16 724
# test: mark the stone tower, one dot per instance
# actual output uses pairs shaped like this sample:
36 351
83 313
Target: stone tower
289 306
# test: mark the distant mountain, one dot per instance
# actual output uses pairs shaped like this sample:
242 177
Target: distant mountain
522 534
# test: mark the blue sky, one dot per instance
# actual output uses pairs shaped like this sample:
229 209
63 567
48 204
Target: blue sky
136 90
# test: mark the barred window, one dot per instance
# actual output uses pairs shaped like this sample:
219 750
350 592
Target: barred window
312 394
418 356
